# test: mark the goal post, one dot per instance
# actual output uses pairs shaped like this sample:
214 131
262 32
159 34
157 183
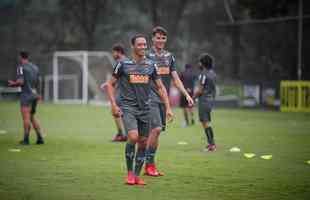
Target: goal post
91 69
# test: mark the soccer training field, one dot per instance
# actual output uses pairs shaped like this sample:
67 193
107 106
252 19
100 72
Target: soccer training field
79 161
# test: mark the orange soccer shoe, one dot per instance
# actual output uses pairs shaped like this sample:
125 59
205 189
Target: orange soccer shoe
139 181
150 170
131 178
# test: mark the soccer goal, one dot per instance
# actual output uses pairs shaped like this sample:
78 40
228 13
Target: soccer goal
77 76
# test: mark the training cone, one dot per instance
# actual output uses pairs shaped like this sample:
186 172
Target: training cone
249 155
234 149
308 162
182 143
266 157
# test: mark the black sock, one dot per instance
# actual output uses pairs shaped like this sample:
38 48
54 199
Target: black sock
209 134
150 155
193 119
186 119
26 134
139 161
212 135
39 135
129 154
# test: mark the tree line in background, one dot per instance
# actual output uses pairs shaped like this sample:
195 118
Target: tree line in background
248 52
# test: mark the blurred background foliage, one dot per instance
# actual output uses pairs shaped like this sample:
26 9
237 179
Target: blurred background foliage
243 52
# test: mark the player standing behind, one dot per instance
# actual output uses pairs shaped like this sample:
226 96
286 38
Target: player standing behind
206 94
135 76
28 80
188 78
166 69
118 53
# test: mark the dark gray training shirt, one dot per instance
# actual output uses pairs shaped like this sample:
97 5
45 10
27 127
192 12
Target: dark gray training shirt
165 64
29 73
207 79
188 78
134 81
117 92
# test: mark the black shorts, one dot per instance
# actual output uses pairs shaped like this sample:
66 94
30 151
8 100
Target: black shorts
158 115
30 102
183 101
204 110
136 119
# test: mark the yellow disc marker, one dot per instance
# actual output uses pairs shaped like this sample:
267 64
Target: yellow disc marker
182 143
249 155
234 149
266 157
14 150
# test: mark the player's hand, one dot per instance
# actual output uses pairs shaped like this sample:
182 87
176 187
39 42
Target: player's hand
11 83
103 87
169 115
116 111
190 101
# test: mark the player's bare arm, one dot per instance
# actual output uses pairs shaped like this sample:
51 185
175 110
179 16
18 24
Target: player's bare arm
178 83
109 87
199 91
17 83
164 97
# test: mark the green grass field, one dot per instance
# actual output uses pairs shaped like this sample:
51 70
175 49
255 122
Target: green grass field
79 161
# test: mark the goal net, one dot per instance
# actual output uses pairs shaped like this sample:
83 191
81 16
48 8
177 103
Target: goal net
77 76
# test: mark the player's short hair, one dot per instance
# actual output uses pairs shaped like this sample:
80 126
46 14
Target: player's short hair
119 48
159 29
206 60
24 54
133 39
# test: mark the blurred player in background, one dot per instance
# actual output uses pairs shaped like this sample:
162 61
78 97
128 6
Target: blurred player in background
206 95
188 78
28 80
118 53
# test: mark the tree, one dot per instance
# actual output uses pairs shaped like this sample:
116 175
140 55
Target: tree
85 16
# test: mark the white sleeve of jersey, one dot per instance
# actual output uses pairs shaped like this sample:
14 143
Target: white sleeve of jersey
20 70
202 79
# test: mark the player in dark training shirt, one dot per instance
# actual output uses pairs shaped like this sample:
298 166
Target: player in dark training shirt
134 77
206 94
166 69
188 78
28 80
118 54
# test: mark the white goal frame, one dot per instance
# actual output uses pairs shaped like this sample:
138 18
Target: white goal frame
65 77
86 77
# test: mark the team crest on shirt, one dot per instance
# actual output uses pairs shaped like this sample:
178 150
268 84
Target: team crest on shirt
139 78
151 55
145 63
128 62
167 54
